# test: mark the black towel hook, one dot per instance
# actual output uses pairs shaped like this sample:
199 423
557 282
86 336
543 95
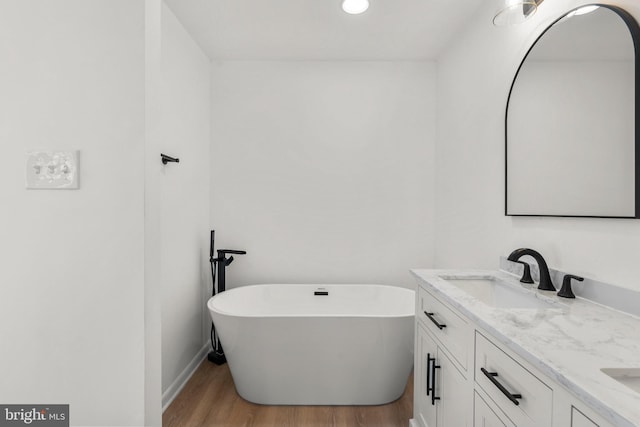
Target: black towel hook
166 159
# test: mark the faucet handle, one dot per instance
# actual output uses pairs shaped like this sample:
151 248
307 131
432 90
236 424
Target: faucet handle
566 291
526 275
222 255
231 251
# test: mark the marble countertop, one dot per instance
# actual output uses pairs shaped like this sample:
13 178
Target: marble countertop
570 343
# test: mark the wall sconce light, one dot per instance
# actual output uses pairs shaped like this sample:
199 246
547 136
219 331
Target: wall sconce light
515 12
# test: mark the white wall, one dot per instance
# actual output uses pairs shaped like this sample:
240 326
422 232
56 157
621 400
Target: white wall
474 76
72 75
324 171
152 216
184 205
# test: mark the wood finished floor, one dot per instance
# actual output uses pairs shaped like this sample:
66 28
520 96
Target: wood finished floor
210 399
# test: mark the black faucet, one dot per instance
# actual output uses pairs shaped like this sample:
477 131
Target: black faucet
223 262
545 279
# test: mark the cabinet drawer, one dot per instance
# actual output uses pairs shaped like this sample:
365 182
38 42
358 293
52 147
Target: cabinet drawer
484 415
578 419
452 330
534 406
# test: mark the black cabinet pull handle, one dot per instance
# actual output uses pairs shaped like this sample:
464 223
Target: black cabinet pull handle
429 359
435 322
430 373
511 396
433 382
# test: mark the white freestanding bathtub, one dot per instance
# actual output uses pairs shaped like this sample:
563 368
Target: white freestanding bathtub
285 345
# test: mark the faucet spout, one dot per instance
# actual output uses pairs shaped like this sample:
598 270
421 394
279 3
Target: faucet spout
545 279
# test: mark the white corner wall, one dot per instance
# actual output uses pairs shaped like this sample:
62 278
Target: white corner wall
184 203
324 171
474 77
72 306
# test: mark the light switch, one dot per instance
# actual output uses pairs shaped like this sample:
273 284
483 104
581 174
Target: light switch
57 170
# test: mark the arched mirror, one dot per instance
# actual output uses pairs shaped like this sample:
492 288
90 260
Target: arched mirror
572 144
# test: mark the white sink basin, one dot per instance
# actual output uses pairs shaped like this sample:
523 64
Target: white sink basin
494 293
630 377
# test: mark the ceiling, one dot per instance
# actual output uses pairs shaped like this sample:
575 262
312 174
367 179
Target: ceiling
320 30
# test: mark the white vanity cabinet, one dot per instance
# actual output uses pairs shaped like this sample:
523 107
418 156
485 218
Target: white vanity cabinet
442 395
423 408
440 389
525 399
540 400
464 377
453 331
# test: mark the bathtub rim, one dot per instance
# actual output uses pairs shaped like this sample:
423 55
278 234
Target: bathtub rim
328 316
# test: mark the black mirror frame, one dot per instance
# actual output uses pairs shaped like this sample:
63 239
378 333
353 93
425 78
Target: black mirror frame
634 29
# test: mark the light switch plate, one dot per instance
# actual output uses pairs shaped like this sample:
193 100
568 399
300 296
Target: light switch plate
55 170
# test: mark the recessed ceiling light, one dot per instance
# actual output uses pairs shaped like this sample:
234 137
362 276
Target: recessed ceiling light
355 7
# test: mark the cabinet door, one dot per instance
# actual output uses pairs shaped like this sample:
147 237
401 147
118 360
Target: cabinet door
484 416
424 412
453 408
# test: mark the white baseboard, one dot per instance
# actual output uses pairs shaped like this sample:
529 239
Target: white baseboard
176 387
